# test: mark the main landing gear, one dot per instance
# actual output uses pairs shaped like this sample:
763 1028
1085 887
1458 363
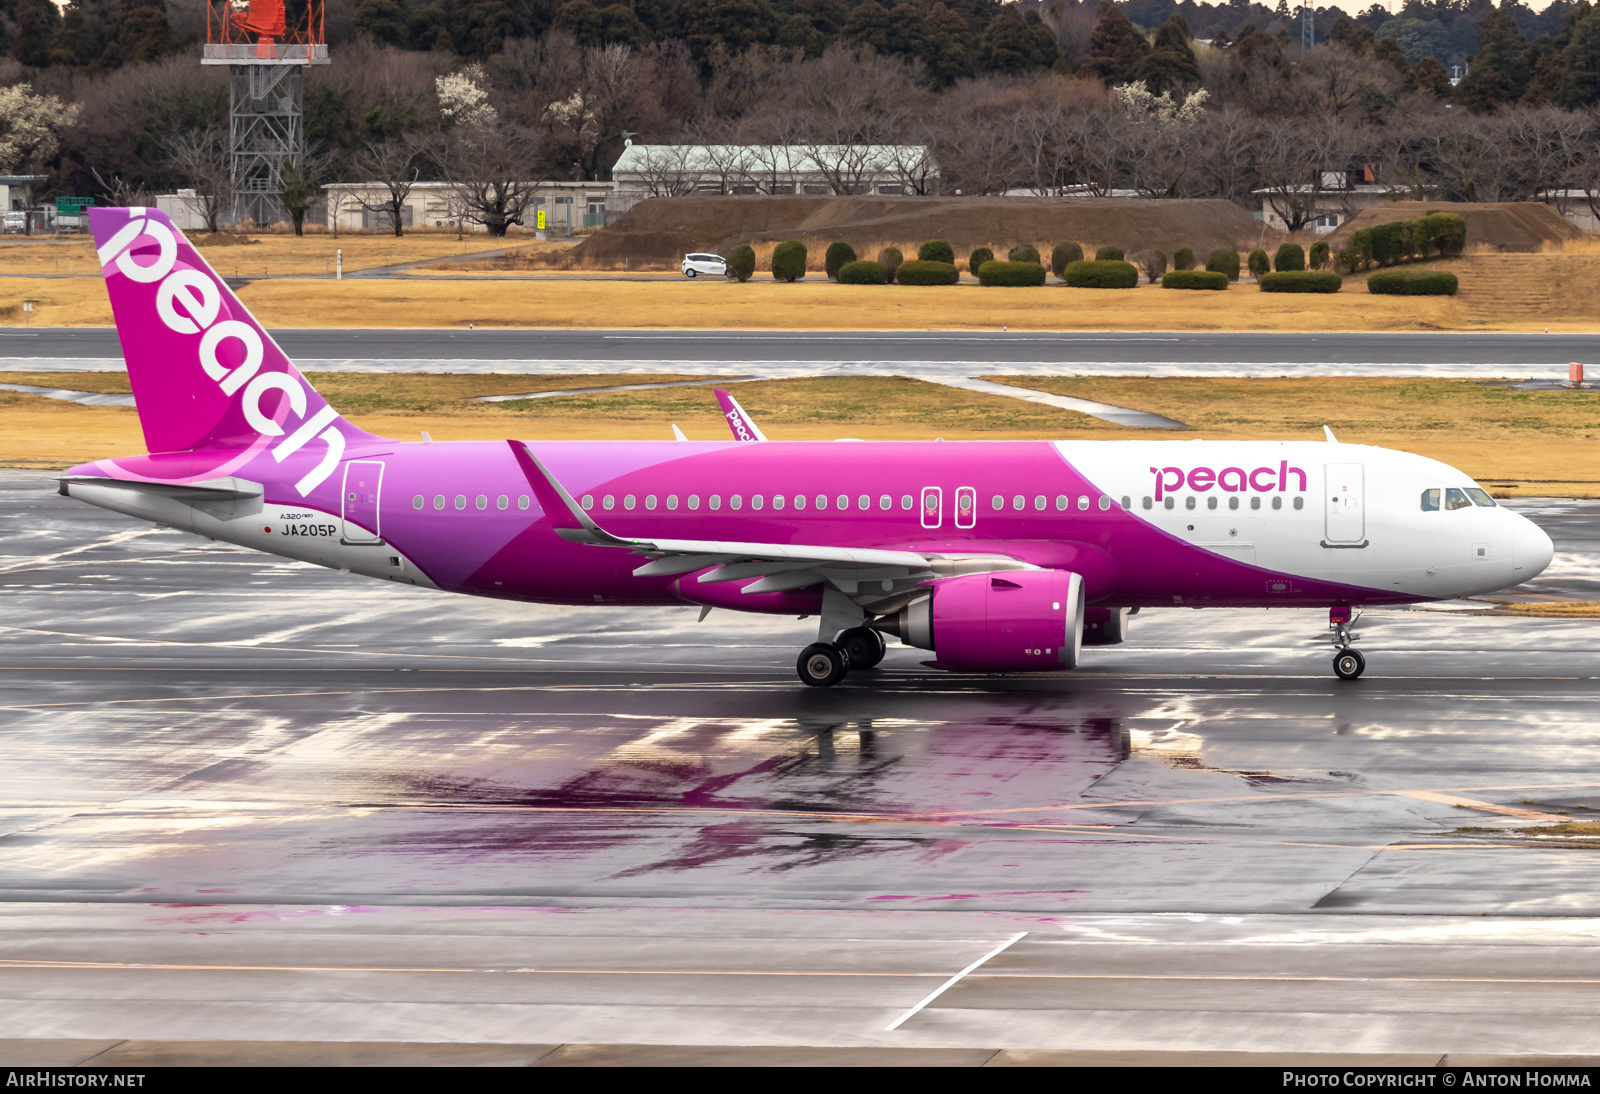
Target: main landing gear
1348 664
824 664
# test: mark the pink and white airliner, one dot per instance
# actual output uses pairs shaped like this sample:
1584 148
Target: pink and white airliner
998 556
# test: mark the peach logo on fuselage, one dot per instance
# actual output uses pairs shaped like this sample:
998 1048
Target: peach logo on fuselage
1232 480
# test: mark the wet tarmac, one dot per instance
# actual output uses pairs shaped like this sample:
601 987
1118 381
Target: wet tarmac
248 799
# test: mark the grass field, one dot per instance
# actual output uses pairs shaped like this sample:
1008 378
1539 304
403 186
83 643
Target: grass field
1511 292
1534 443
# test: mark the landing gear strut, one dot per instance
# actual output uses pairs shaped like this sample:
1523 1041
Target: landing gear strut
1348 664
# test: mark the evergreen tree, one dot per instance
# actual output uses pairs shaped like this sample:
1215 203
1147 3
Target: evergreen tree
800 33
1500 73
1117 50
382 20
1171 65
944 46
1579 85
37 24
138 32
1429 75
868 25
907 29
1012 44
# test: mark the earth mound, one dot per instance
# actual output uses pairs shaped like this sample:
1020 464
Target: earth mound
1504 225
659 231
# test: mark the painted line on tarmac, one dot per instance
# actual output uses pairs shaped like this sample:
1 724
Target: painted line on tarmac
956 979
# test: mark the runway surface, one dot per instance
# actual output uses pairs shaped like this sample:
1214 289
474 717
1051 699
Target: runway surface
244 799
821 352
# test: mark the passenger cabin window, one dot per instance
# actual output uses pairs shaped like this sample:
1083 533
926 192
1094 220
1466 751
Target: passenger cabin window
777 501
522 502
1480 496
1018 502
1255 502
1277 502
438 501
417 502
588 501
907 503
501 502
1147 502
483 501
672 501
715 502
1233 503
1299 502
999 502
1456 499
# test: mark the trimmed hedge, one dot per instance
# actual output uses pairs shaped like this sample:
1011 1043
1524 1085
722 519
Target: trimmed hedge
1224 260
1319 254
919 272
1062 255
1107 274
741 262
863 273
978 258
1011 273
890 258
1405 283
1444 234
936 250
1183 259
1024 252
1290 257
1108 254
789 260
1194 279
1300 281
837 255
1258 263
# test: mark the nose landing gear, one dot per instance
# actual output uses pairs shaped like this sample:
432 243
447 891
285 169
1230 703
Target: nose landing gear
1348 663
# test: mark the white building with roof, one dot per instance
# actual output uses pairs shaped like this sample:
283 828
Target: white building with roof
675 170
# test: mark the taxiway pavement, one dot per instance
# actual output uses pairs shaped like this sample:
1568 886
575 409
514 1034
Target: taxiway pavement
245 799
824 352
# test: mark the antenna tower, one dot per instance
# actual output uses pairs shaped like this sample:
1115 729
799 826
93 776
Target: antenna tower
266 56
1308 29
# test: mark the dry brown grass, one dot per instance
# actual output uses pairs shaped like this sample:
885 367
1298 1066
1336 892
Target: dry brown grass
1509 292
1557 609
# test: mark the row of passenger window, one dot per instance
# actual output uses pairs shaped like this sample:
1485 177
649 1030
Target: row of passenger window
842 502
1456 499
482 501
1211 502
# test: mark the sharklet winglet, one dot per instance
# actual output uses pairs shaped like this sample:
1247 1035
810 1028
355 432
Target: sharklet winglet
558 504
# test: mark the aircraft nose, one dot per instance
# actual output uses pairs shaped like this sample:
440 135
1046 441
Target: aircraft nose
1532 549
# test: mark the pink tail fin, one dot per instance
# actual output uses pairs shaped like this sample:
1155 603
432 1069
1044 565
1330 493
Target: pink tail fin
205 375
744 427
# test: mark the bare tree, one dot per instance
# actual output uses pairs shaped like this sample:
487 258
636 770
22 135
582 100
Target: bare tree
395 166
492 172
1227 145
665 169
1300 160
1546 145
200 157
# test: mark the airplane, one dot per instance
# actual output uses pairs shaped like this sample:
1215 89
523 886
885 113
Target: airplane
995 556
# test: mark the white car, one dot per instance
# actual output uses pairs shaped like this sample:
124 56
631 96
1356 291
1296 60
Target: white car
696 264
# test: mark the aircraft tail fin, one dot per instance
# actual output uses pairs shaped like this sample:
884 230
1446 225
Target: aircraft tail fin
205 374
744 427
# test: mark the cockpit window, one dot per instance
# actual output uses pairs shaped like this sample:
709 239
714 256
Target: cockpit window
1480 496
1430 500
1456 499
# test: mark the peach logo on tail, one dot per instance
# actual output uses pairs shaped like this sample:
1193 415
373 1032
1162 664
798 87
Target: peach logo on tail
189 302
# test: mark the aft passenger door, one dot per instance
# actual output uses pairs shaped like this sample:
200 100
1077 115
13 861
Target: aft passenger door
363 480
1344 505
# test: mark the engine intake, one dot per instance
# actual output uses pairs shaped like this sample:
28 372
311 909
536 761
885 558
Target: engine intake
1018 621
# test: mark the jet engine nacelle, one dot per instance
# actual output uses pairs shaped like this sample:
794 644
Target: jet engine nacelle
1016 621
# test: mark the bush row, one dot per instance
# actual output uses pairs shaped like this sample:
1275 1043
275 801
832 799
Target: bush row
1301 281
1406 283
1442 234
1286 272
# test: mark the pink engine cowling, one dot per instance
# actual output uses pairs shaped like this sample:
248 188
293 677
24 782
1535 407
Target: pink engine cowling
1016 621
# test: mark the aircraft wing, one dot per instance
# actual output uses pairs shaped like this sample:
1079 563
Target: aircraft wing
778 565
